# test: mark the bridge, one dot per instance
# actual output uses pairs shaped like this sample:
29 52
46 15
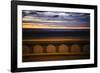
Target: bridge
50 49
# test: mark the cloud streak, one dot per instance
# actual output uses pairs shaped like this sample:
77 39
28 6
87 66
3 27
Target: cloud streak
52 18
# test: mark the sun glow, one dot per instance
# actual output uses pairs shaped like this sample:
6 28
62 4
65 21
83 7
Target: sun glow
43 26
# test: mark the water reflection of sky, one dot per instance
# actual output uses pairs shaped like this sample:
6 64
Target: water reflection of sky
54 19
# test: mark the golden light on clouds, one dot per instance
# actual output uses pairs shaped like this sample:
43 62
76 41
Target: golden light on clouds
43 26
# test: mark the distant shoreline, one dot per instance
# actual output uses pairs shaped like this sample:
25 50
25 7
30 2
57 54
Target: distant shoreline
43 33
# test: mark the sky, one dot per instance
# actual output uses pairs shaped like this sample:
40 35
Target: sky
53 19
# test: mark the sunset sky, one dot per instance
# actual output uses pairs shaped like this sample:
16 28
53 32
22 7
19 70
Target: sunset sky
55 20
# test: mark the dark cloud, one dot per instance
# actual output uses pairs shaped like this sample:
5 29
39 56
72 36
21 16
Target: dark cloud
69 18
